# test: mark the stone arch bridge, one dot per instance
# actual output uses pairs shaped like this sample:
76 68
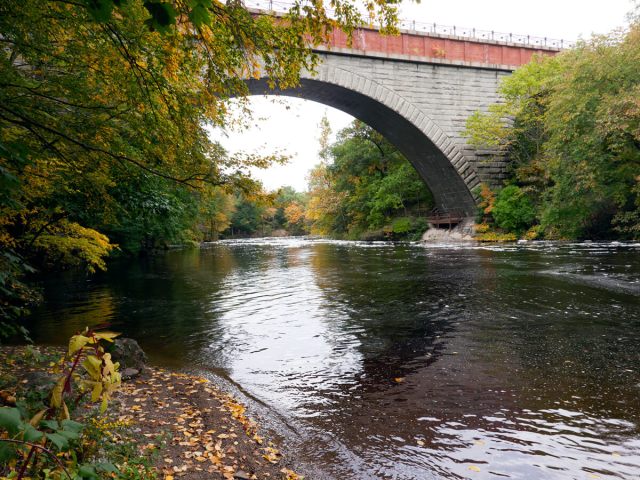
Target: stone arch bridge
418 89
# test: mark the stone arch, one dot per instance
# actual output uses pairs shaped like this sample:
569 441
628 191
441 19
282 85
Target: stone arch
438 160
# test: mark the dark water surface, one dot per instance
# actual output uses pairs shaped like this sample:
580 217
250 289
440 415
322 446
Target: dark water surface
399 361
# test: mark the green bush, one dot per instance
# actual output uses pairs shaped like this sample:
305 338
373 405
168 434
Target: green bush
401 225
513 211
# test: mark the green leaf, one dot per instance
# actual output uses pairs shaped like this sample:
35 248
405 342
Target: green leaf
107 467
30 434
52 424
72 426
163 15
199 14
88 471
100 10
58 440
10 420
7 452
24 407
69 435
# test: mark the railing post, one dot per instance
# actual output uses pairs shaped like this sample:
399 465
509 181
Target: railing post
270 5
473 35
414 25
492 35
454 30
434 27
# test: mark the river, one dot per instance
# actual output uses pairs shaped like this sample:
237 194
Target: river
396 361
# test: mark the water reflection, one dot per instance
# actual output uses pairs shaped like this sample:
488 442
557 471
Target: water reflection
400 361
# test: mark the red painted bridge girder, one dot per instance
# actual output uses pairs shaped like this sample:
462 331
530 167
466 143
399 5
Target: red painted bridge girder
434 48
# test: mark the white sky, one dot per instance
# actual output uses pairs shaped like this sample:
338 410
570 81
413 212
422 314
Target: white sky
290 125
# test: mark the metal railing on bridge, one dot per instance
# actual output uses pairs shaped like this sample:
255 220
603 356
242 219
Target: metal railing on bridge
282 6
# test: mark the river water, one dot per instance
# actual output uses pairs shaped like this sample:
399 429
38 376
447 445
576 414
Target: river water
397 361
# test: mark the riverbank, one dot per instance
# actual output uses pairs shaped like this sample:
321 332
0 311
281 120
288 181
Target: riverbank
177 425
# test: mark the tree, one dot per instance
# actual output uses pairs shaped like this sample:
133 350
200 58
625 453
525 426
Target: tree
93 86
366 185
294 213
570 127
216 213
323 208
104 106
248 217
513 210
290 210
324 138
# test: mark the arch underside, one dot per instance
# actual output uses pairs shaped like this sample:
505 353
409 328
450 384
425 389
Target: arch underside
451 193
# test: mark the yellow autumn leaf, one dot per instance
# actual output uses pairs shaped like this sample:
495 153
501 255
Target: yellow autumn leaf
109 367
77 342
96 391
92 365
35 420
473 468
56 393
108 336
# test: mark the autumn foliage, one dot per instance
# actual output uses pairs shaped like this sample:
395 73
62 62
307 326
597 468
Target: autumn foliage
104 109
569 126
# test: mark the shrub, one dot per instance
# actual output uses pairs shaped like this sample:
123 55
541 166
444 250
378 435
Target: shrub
401 226
40 436
513 211
481 227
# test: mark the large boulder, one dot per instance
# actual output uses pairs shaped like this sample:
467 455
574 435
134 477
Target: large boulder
128 353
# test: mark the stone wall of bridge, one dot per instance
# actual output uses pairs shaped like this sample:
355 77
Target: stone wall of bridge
446 94
421 107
